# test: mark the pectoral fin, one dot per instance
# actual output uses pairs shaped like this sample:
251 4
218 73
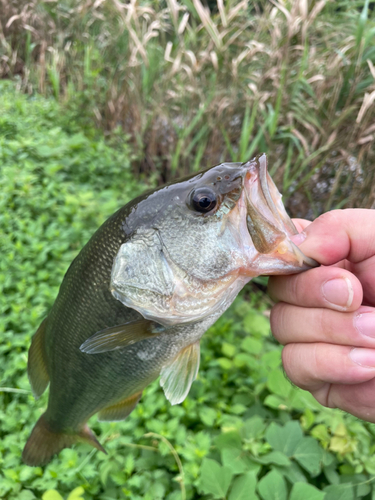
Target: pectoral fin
37 364
120 410
177 377
120 336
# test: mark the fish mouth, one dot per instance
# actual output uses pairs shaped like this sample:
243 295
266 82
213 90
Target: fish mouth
269 225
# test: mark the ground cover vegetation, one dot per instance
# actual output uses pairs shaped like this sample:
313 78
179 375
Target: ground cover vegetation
194 85
109 98
244 432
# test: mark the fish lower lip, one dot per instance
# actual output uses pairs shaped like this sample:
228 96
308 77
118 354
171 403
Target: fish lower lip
302 258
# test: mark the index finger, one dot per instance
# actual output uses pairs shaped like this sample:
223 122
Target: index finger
322 287
340 234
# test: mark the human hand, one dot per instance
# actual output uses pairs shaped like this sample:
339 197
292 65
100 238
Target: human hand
326 316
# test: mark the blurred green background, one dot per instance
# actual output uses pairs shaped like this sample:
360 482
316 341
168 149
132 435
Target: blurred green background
100 100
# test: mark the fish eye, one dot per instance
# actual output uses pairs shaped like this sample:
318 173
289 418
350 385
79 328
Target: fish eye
203 199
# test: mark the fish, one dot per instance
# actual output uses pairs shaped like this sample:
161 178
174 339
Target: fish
137 299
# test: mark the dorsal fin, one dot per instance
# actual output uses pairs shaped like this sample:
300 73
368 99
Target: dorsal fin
37 362
119 336
177 377
120 410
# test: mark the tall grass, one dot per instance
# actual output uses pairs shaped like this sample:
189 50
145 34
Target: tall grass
192 87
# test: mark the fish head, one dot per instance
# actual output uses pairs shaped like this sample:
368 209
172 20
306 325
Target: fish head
195 243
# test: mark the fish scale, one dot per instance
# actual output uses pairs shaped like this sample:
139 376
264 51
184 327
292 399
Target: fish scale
83 308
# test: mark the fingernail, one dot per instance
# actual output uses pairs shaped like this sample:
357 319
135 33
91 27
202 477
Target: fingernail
339 293
363 357
298 238
365 324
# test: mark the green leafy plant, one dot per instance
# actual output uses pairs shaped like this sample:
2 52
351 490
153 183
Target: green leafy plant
195 83
243 430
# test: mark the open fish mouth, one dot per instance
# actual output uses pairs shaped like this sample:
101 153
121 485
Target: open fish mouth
269 225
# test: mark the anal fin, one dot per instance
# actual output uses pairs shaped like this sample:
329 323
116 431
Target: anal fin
37 363
177 377
120 410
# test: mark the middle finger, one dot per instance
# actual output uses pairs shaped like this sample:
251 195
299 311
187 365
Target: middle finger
294 324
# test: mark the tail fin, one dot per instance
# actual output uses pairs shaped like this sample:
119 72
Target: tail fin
43 443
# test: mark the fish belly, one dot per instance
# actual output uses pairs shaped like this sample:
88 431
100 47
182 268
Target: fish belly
98 381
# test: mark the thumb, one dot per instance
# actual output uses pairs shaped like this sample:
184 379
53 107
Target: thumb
339 234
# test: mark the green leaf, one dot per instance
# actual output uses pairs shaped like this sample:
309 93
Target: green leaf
105 470
215 479
293 473
303 491
52 495
225 363
309 455
320 432
243 487
307 419
331 474
278 384
254 427
364 487
369 463
275 457
234 460
347 470
339 492
300 400
26 495
255 323
229 350
284 439
156 491
271 359
253 346
276 402
207 415
230 439
237 409
76 494
26 473
129 464
243 359
272 486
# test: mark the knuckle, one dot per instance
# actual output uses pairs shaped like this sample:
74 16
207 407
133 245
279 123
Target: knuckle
280 321
276 319
312 368
324 324
330 218
322 395
295 288
288 361
318 362
303 371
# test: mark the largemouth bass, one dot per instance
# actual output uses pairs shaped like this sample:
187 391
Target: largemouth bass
135 302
